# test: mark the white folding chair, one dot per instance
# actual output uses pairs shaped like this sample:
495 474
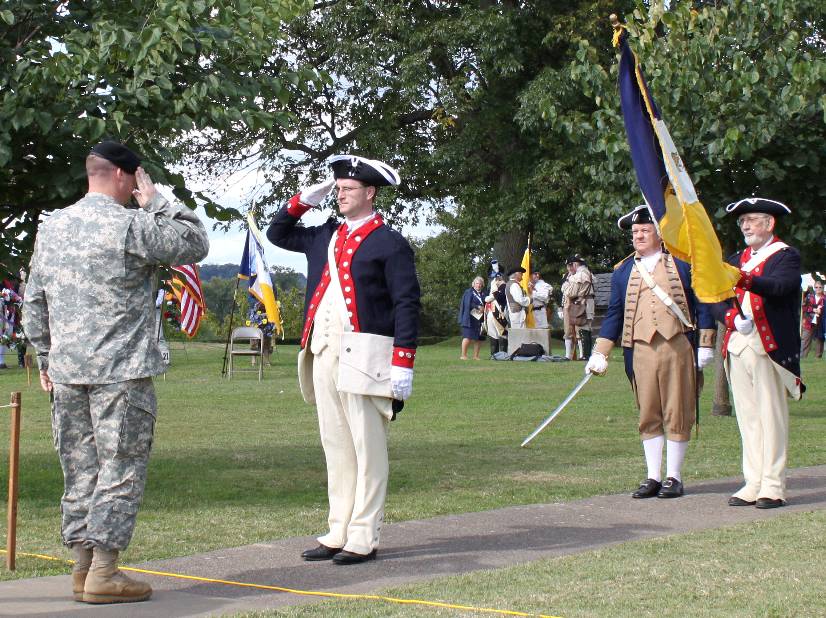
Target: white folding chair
244 336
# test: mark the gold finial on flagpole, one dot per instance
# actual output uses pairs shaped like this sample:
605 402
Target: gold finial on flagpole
618 28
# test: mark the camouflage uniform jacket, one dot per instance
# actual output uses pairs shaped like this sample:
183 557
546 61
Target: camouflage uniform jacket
89 309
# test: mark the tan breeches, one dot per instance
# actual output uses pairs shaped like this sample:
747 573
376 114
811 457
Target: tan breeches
664 386
763 417
354 437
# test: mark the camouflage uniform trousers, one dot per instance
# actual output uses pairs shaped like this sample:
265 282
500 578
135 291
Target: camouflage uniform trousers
103 435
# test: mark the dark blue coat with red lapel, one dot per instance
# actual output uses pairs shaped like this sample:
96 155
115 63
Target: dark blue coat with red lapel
775 300
612 323
381 267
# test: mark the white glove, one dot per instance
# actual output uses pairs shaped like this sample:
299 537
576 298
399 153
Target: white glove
313 194
704 357
743 325
597 364
401 379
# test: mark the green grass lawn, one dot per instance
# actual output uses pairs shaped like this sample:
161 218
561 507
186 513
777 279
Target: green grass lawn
240 462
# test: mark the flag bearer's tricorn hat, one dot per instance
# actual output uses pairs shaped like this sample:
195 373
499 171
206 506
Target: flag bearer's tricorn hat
118 155
369 171
512 271
758 204
640 214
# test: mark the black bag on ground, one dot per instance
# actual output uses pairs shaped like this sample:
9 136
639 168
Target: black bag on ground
529 349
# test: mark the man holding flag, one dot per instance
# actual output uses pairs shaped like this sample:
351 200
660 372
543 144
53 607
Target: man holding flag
361 279
762 349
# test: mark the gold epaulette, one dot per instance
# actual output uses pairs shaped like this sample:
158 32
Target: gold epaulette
624 260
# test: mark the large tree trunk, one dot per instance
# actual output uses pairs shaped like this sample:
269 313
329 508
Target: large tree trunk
509 248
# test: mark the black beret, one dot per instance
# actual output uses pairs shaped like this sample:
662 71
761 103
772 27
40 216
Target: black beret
119 155
640 214
518 269
758 204
369 171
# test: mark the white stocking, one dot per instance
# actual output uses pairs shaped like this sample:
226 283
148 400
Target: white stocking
653 448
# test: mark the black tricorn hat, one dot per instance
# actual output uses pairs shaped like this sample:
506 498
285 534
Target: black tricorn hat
369 171
758 204
576 257
518 269
640 214
117 154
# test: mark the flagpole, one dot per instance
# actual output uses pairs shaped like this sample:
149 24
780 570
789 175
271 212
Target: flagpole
229 330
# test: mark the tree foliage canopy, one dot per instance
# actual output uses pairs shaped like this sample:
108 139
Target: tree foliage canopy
506 113
741 86
157 75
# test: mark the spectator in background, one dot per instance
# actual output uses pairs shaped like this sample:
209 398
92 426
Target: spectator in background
540 292
516 298
496 317
813 321
10 302
578 307
471 313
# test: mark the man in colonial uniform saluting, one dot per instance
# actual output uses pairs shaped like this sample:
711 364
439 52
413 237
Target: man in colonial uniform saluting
655 314
762 349
361 277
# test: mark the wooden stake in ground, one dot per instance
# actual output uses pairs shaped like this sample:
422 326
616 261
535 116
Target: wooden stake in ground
14 458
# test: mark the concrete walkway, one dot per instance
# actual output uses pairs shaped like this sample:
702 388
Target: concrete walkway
416 551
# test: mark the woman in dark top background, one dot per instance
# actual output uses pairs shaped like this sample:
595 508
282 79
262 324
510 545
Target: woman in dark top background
471 312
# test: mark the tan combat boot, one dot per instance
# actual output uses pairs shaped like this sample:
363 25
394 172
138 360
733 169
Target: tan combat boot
107 584
83 559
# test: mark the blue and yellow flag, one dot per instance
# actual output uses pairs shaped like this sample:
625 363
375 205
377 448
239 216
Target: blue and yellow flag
669 193
254 268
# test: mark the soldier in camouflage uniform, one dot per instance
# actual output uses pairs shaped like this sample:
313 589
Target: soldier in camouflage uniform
89 313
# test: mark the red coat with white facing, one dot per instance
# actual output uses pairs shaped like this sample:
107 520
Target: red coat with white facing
376 270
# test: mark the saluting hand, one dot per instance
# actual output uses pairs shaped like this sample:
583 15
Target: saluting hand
313 194
146 188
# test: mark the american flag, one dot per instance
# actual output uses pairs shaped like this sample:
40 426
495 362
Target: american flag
186 284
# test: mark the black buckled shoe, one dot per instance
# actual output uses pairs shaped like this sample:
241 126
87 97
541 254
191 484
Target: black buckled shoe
735 501
671 488
349 557
769 503
647 489
322 552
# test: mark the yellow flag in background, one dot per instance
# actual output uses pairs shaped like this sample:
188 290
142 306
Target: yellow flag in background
526 278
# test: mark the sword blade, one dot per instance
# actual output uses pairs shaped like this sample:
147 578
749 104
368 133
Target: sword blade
558 409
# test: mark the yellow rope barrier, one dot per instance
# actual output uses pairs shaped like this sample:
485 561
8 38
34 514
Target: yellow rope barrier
316 593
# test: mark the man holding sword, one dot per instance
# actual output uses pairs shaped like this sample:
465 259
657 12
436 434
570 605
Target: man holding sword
654 313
